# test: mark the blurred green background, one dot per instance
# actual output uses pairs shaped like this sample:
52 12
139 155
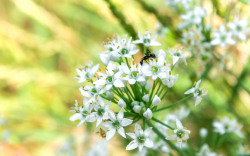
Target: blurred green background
43 41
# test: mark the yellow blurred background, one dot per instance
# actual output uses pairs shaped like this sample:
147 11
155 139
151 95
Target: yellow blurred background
41 44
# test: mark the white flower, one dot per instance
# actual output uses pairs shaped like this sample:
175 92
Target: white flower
121 103
185 3
198 92
222 37
99 149
226 125
177 54
83 115
169 79
204 151
238 27
148 114
140 138
194 16
145 98
181 134
203 132
242 151
193 37
125 48
147 40
160 30
102 112
117 124
110 78
86 73
90 91
158 65
156 100
76 108
110 53
134 73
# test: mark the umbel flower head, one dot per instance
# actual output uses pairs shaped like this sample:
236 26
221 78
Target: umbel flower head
140 138
180 134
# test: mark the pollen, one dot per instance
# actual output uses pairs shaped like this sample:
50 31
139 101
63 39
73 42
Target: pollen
170 72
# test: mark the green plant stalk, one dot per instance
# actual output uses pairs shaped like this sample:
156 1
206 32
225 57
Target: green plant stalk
219 143
213 139
163 138
164 94
109 99
162 88
137 119
152 91
153 118
144 124
174 103
121 96
131 95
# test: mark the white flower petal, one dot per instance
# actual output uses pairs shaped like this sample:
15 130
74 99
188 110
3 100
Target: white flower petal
132 135
132 145
125 122
110 133
178 124
148 143
122 132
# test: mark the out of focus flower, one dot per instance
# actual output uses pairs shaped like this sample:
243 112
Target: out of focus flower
181 134
177 54
242 151
140 138
226 126
194 16
203 132
239 28
198 92
83 115
86 73
161 30
185 3
147 40
225 59
222 37
204 151
99 149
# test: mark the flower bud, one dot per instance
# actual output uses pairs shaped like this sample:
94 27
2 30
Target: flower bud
134 103
121 103
156 101
203 132
142 104
145 98
137 108
148 114
109 95
142 83
148 85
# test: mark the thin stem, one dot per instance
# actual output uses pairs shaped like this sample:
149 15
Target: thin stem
152 91
221 140
174 103
164 94
162 123
144 124
131 95
109 99
127 61
163 138
137 119
162 88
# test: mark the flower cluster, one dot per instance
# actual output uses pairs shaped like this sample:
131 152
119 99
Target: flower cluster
129 86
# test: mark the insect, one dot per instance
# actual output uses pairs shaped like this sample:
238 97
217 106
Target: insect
148 55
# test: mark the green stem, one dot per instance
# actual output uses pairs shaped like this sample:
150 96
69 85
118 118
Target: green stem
164 94
109 99
213 139
162 123
162 88
152 91
221 140
174 103
137 119
163 138
144 124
